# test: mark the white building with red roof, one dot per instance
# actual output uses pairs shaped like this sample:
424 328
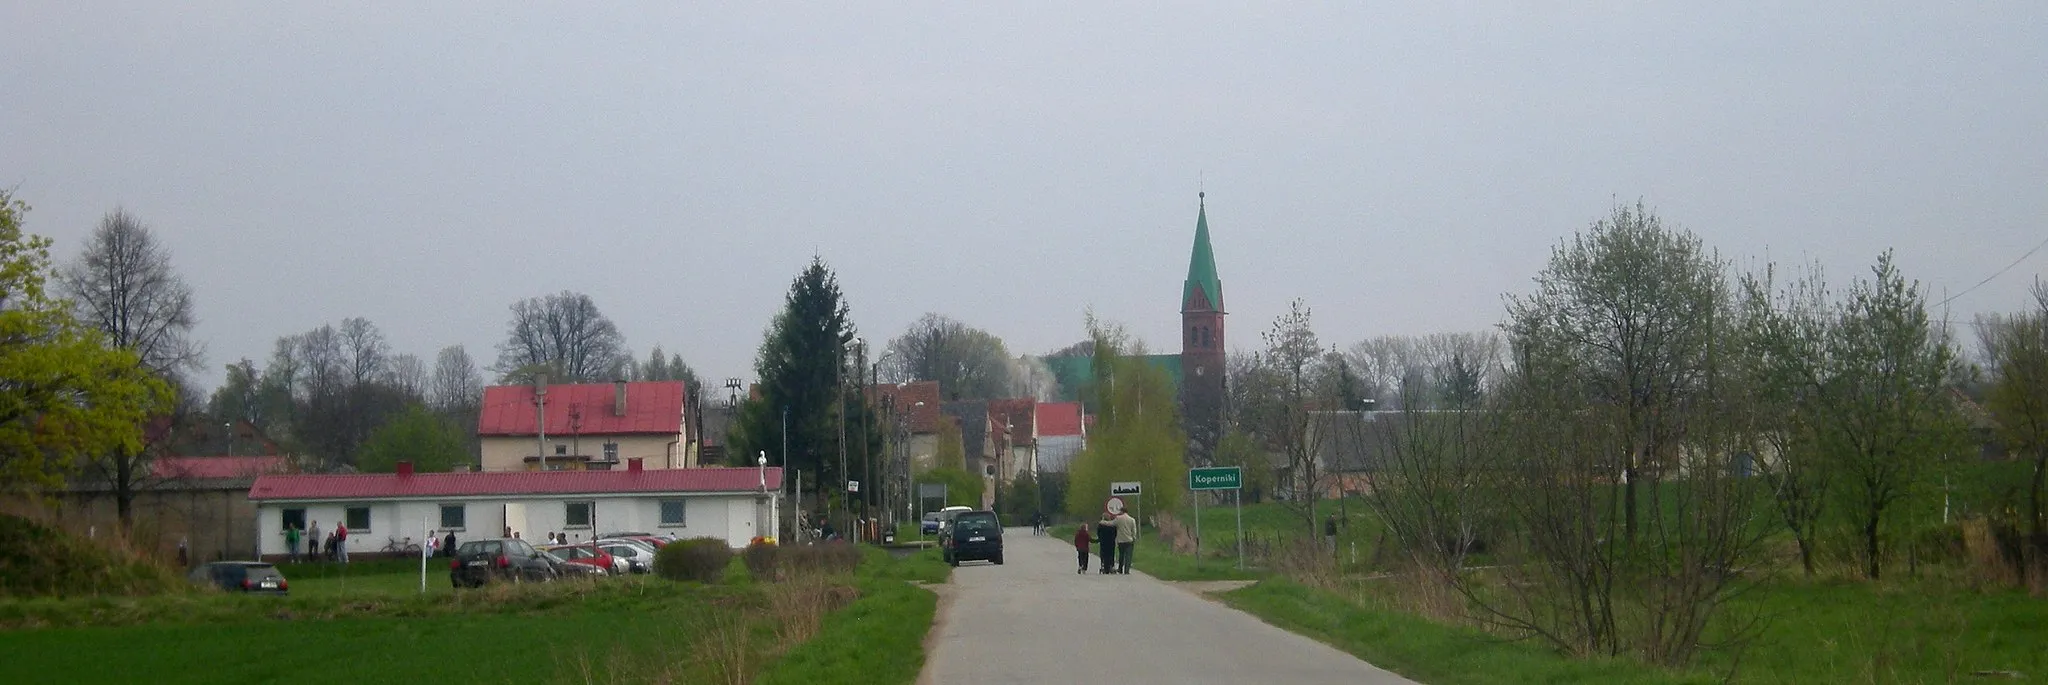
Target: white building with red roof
730 504
589 426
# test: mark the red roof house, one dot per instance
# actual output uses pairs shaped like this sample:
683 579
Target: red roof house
588 426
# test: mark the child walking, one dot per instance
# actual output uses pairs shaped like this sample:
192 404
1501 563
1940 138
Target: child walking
1081 542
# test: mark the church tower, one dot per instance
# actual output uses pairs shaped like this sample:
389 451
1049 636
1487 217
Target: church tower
1201 346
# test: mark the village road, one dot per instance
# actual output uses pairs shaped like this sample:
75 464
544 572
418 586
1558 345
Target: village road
1035 621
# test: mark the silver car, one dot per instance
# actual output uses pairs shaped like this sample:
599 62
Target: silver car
638 556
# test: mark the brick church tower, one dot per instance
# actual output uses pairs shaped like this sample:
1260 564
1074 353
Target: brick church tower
1201 347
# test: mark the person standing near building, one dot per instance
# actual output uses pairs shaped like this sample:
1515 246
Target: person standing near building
448 545
291 542
1105 537
341 543
313 542
1126 541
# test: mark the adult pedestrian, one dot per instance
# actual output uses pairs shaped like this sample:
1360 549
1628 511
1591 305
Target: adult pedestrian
184 555
448 545
341 543
1105 537
313 542
1126 540
291 542
1330 533
1081 541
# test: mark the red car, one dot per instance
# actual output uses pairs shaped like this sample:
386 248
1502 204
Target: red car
588 555
655 541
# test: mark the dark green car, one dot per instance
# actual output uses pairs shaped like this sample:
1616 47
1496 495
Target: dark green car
972 536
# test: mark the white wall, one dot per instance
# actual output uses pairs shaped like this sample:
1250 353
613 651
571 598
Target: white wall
731 517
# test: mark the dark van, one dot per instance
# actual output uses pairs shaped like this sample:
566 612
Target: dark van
479 562
972 536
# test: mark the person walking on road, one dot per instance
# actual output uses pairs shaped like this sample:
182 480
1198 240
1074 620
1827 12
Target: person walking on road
1081 541
1105 536
1126 539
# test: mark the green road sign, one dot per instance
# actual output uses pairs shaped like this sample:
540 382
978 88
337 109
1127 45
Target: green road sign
1216 478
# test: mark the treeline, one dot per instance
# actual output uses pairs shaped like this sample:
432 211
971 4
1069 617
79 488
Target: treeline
1649 430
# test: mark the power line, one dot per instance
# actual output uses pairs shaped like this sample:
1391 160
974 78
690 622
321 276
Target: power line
2000 272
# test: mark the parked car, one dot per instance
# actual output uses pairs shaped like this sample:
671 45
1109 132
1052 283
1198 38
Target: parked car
946 516
479 562
565 569
253 577
972 535
652 540
929 524
587 553
639 555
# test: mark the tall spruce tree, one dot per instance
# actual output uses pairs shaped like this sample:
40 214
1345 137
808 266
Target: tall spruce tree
800 367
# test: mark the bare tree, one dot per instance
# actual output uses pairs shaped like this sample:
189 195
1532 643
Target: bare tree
564 333
407 374
968 363
1285 394
123 284
456 386
364 352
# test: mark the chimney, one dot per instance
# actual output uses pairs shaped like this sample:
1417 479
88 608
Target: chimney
404 468
633 464
618 398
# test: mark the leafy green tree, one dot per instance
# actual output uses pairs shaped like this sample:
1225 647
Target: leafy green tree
2017 348
962 488
1136 435
1887 418
65 394
417 435
802 369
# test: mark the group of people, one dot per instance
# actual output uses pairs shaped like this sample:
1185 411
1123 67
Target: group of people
333 547
1116 534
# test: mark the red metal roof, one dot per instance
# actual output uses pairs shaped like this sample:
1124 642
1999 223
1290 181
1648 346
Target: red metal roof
199 468
651 407
1059 418
392 485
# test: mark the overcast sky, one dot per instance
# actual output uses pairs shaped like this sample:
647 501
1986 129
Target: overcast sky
1399 167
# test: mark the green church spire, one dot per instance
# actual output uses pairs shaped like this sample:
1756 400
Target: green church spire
1202 263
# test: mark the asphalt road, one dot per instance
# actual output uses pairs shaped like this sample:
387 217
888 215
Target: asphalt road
1034 621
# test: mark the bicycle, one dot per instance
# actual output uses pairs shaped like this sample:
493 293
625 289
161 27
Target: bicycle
393 546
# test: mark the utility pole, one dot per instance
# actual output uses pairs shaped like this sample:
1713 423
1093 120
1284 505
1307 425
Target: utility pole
540 418
839 370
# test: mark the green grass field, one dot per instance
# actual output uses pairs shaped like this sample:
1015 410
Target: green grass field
362 625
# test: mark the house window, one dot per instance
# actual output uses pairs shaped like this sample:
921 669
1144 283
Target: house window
577 514
672 513
452 516
561 450
358 520
611 451
293 518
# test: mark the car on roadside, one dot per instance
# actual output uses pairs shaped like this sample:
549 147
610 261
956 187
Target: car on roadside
652 540
971 536
929 523
251 577
589 554
480 562
639 555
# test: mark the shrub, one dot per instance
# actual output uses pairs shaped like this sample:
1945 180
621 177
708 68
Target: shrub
828 558
761 558
698 559
36 560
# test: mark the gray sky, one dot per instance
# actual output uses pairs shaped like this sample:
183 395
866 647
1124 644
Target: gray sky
1400 167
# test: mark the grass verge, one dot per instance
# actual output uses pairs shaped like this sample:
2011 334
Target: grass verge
880 637
1428 651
